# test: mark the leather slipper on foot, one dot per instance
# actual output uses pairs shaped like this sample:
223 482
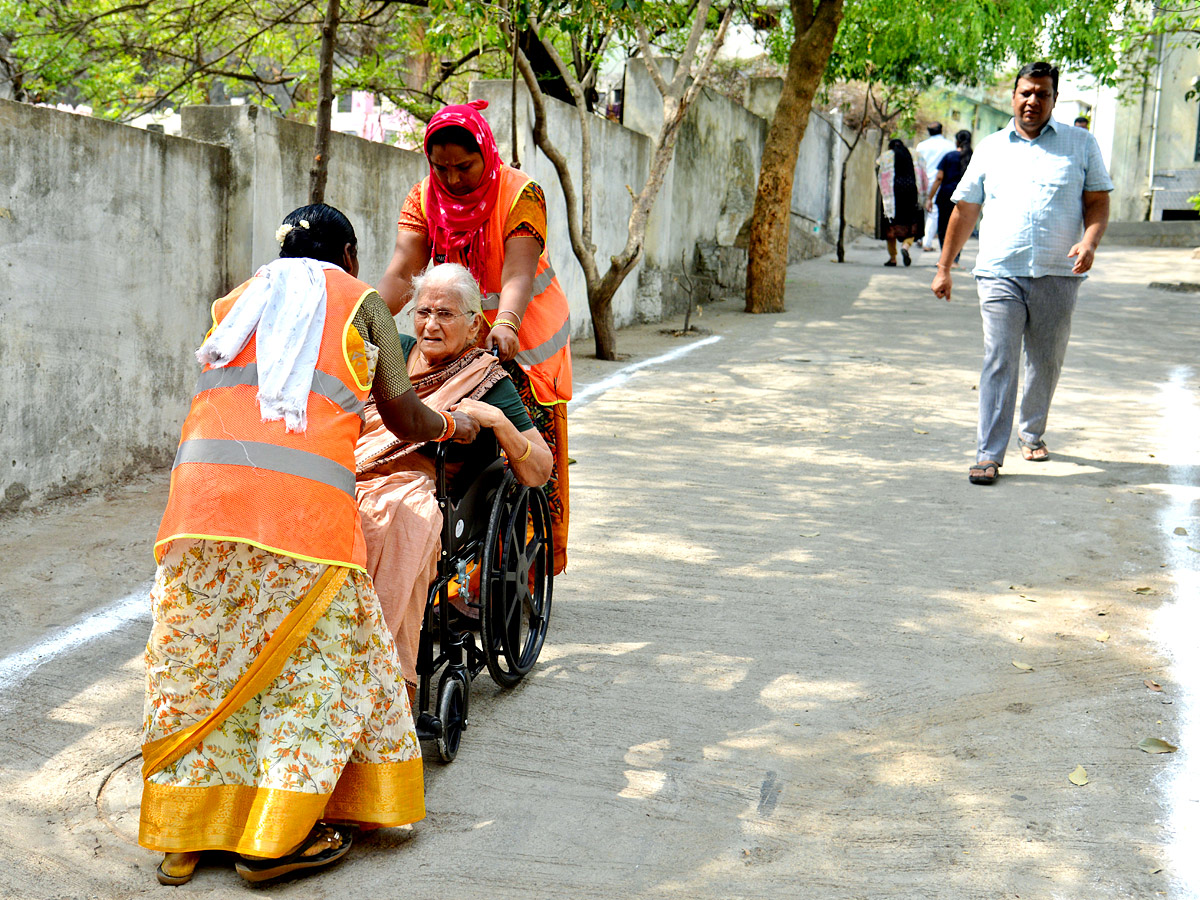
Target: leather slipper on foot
985 472
260 870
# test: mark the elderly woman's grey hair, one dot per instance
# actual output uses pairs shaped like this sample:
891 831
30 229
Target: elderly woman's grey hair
451 277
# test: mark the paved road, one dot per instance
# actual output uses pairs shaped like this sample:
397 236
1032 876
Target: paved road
781 662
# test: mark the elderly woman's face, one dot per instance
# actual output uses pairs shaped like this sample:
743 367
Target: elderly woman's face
444 331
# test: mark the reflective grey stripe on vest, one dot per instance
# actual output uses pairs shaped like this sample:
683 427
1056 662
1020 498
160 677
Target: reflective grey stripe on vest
323 383
491 302
547 348
271 457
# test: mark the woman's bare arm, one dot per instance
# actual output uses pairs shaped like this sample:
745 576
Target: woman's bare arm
408 259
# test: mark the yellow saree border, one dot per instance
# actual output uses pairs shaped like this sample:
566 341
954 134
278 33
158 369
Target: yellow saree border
269 822
159 754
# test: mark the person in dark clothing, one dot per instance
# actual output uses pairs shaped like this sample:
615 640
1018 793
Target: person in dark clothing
950 172
903 218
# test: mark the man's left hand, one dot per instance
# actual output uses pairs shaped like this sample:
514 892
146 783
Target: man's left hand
1084 255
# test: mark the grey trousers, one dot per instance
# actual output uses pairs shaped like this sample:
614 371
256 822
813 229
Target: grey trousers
1038 311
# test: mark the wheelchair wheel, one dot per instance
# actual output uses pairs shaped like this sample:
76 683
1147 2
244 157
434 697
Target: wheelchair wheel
452 711
517 582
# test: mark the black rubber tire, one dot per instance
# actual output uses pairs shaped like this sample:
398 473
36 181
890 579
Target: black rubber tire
453 698
517 581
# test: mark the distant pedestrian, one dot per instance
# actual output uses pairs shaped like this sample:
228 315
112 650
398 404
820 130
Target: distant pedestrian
949 173
1083 122
929 153
902 187
1045 190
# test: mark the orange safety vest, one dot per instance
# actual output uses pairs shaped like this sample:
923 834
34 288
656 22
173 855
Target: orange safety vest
238 478
545 337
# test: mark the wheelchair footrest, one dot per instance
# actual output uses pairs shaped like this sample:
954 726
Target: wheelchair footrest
428 727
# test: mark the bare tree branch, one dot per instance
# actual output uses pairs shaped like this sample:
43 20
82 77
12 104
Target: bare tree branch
585 133
542 138
648 56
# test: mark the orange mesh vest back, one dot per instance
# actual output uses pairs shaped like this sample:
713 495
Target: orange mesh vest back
239 478
545 337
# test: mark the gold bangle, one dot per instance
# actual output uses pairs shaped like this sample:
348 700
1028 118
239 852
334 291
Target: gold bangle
515 329
509 312
528 449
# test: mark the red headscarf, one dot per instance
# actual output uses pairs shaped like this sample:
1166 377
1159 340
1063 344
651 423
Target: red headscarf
456 222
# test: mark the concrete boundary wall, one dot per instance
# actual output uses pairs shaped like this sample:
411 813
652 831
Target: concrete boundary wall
112 246
114 242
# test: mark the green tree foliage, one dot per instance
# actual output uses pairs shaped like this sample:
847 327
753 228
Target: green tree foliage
917 43
125 58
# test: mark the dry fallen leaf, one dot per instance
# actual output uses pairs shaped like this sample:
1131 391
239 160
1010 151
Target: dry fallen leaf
1079 776
1106 500
919 431
1153 685
1181 530
1102 636
1156 745
1022 666
1020 637
1143 590
1193 549
810 534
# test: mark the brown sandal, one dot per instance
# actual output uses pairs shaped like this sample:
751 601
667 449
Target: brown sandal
985 472
259 870
181 865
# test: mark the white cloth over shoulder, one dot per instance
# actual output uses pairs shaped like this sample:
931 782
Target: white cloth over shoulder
284 306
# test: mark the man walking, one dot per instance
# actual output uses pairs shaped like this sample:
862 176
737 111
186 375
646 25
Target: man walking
1043 184
930 152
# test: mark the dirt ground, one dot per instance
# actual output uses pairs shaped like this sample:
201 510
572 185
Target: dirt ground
795 653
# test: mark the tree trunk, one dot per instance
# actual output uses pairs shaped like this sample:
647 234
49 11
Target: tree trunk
862 127
771 221
319 173
841 241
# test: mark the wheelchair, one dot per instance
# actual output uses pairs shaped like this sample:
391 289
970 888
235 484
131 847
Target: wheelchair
497 550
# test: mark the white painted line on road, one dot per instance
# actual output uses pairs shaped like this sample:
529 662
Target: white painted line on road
15 668
619 377
1177 622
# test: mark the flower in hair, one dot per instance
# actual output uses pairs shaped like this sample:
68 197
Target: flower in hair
304 224
282 232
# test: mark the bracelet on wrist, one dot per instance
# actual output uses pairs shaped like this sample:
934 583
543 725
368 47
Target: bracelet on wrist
448 430
528 449
511 312
516 329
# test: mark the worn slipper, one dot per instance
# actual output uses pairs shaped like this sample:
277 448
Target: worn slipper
907 258
182 866
260 870
1035 452
985 472
890 262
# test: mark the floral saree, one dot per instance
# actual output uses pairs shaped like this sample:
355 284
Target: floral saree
273 701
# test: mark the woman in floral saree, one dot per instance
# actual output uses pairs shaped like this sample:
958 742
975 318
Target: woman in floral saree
274 704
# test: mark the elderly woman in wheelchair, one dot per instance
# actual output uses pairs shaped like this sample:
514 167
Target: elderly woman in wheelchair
448 520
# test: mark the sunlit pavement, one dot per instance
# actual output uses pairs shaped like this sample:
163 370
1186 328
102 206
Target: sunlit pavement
795 654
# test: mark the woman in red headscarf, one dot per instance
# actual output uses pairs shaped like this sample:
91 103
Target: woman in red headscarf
474 210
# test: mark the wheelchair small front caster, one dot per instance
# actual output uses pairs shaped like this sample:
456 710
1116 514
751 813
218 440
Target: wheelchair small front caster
453 697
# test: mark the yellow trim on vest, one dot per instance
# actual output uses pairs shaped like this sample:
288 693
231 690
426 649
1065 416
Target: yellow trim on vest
517 195
260 546
541 402
346 335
